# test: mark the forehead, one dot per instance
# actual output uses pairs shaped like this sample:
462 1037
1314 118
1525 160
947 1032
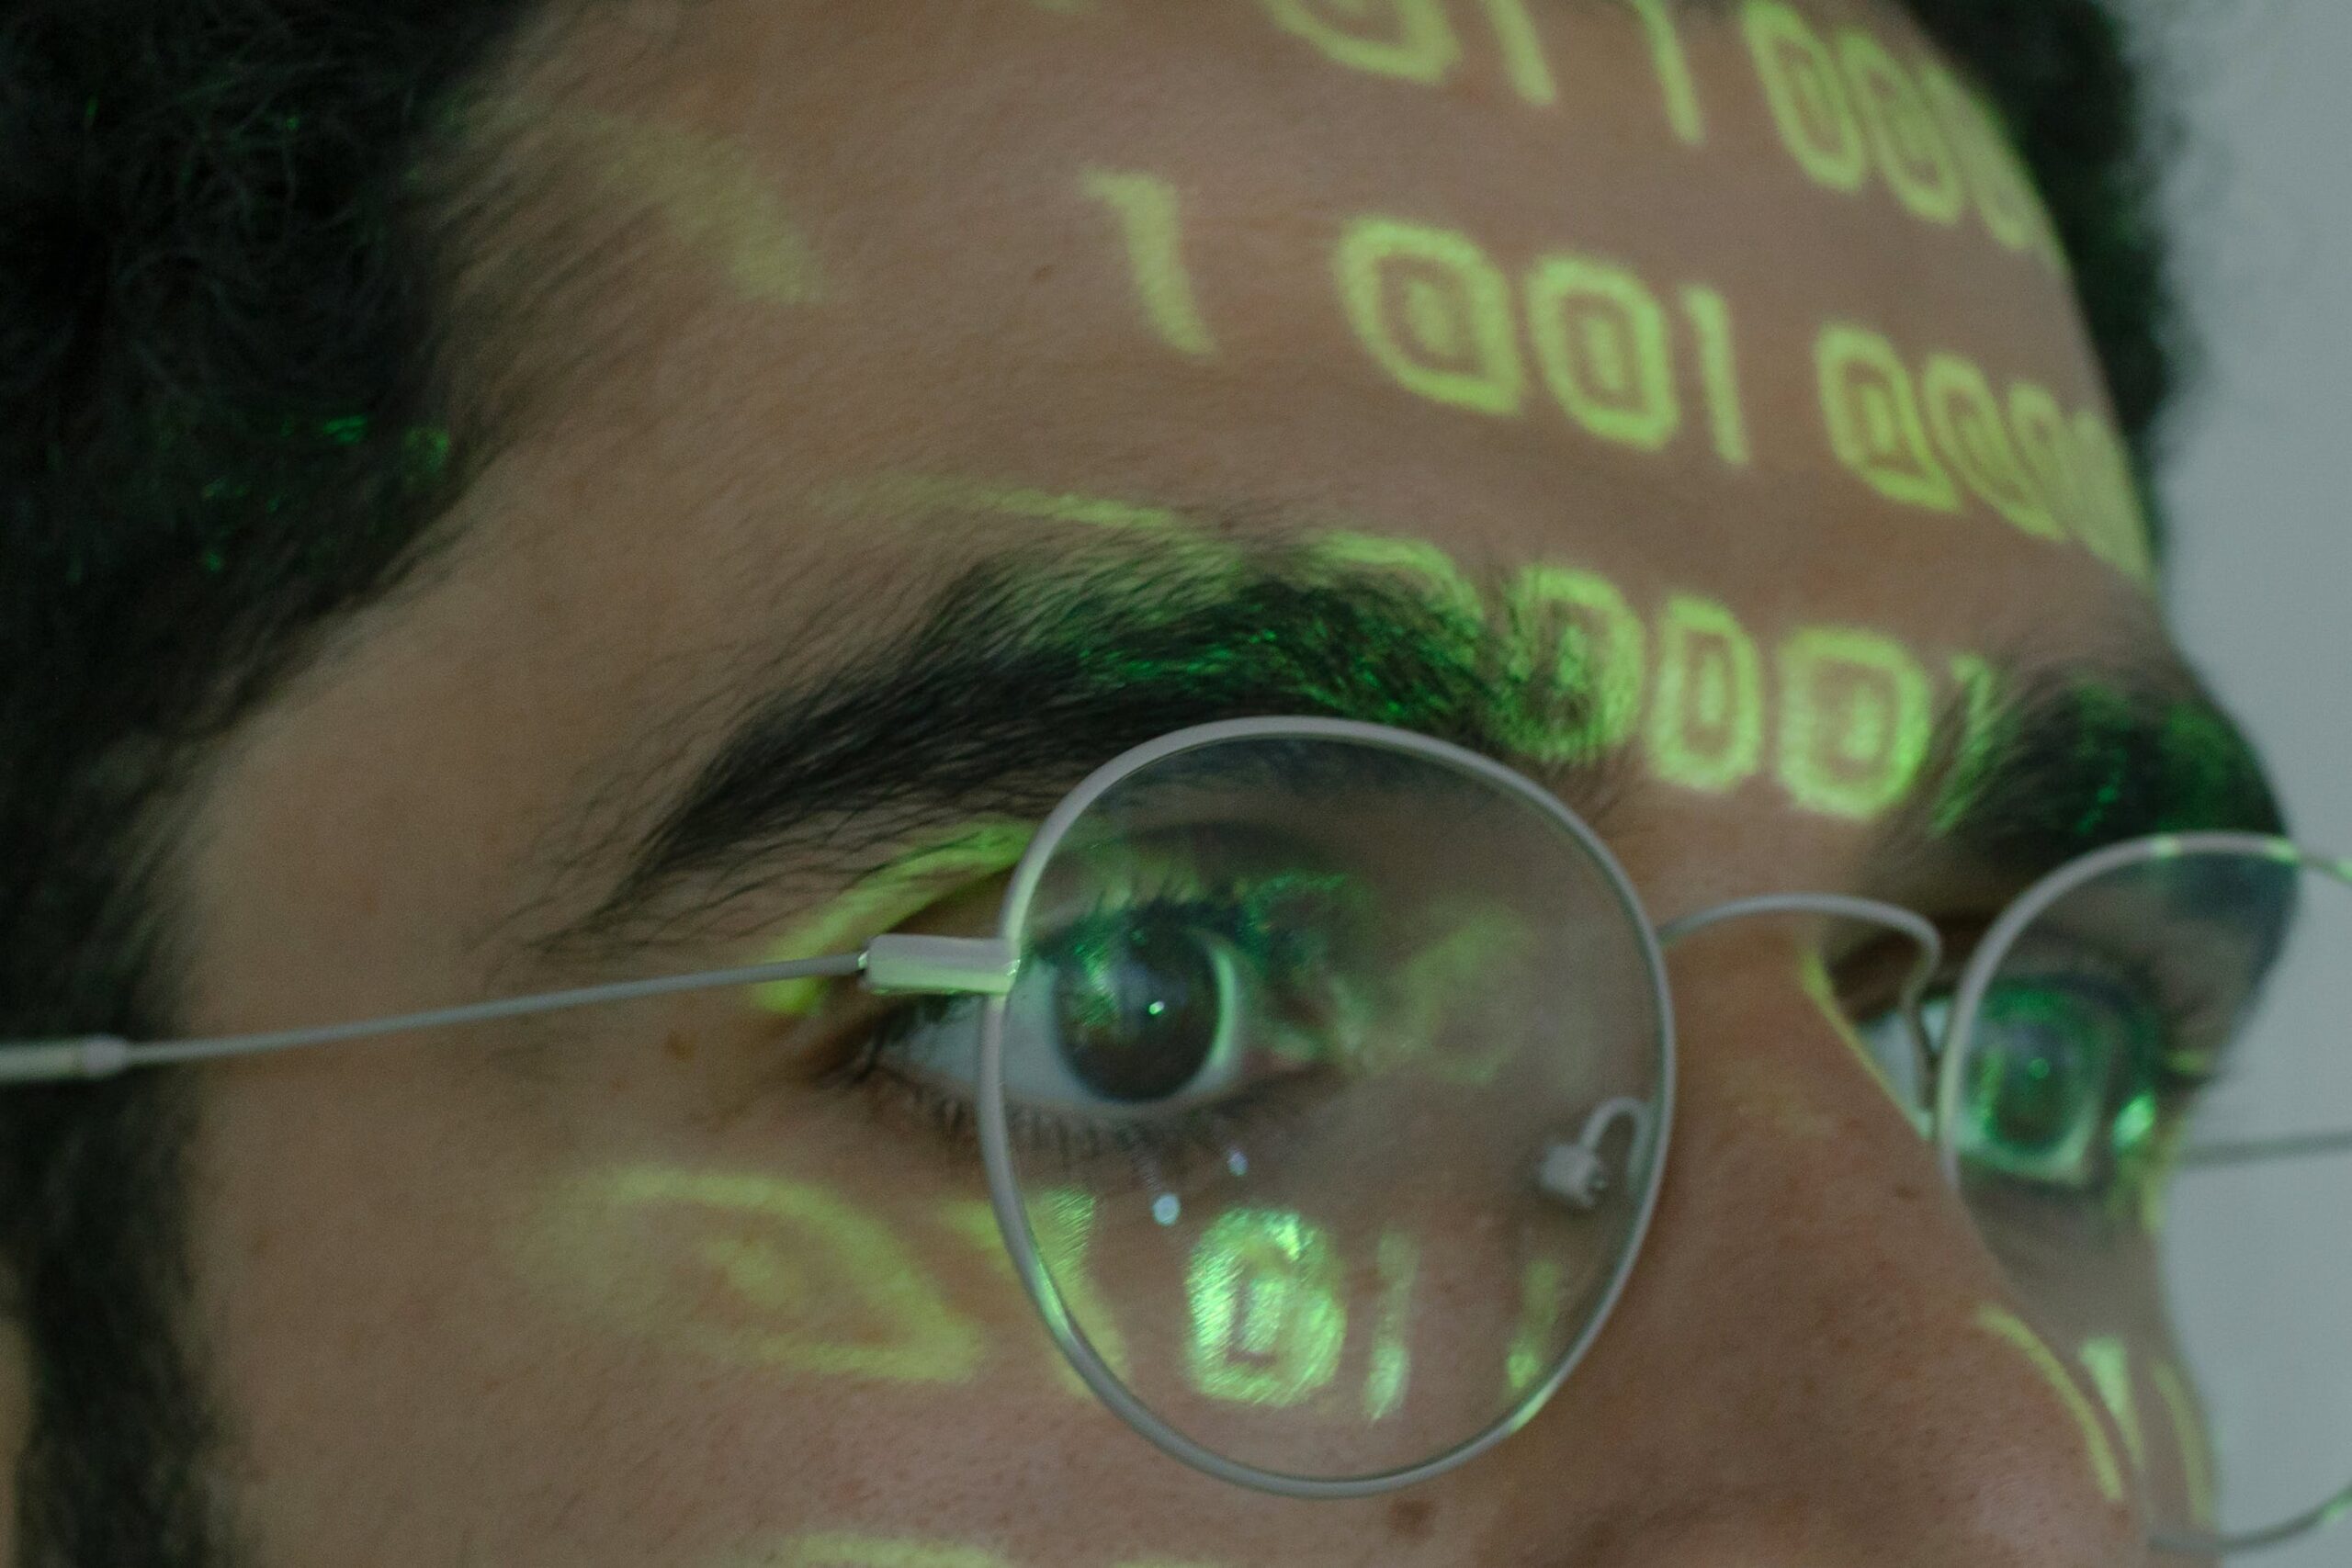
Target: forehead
1720 305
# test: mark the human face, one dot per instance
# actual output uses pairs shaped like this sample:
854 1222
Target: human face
1579 318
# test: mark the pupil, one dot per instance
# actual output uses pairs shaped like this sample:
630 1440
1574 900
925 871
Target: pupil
2031 1088
1137 1014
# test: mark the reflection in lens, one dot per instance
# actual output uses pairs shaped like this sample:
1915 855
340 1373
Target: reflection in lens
2138 1109
1301 1026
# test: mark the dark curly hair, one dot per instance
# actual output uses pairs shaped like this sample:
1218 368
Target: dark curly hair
237 394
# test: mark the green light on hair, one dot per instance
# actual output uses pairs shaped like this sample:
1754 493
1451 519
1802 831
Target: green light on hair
1807 99
1595 646
1606 350
1875 428
1392 1358
2109 1361
1151 222
1419 45
1535 1342
1857 717
1268 1315
1432 569
1965 417
1673 66
1706 725
1979 745
1911 148
1455 341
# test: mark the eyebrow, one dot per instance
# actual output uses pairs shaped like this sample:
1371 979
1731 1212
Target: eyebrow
1026 674
1036 666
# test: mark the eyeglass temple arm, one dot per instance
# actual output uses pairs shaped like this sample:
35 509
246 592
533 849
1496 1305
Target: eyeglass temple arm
888 963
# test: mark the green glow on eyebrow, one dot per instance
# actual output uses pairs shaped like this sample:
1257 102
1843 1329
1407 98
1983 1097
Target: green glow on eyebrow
1398 1256
714 199
1875 422
1062 1220
1424 47
1971 430
1150 221
1857 758
1541 1292
1458 313
1531 74
805 1263
1710 316
2188 1435
1600 647
1432 568
1611 362
1265 1283
1807 99
2109 1360
2011 1330
1912 150
1673 65
1706 728
881 899
1980 744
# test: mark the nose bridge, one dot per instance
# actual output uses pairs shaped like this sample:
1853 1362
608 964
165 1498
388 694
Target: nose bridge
1817 1362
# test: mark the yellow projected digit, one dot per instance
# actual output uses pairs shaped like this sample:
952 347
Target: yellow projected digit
1151 220
2045 439
1522 49
1063 1224
1435 311
1673 66
1857 719
1606 348
1806 95
1875 428
1268 1316
2114 526
1971 432
1994 173
1406 38
1911 148
1706 728
1710 316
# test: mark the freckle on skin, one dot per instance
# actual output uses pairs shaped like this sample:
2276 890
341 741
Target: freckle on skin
678 1045
1411 1519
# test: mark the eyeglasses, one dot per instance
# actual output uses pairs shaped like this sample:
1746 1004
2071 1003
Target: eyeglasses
1323 1075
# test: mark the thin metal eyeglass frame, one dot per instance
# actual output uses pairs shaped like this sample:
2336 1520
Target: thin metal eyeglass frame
987 967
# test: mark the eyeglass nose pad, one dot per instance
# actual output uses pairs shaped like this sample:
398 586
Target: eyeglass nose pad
1573 1170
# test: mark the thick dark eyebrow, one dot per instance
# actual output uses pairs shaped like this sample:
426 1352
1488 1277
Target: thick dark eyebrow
1026 674
2043 763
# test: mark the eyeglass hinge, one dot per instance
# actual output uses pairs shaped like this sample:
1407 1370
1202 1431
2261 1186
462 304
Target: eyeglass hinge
959 965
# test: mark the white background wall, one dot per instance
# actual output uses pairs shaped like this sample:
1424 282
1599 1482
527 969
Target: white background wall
2261 492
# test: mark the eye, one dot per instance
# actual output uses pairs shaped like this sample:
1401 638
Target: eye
2068 1074
1164 1010
2061 1078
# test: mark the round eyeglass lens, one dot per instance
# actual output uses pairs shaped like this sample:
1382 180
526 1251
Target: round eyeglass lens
2149 1110
1333 1086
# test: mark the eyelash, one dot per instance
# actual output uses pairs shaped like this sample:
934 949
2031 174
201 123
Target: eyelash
1167 1146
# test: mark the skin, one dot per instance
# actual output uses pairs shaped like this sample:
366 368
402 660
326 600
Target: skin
431 1359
